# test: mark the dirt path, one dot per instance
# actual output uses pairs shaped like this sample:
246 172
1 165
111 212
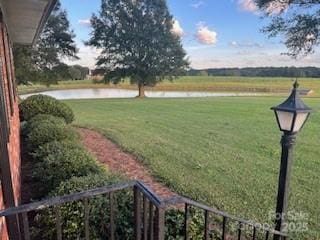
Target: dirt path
118 161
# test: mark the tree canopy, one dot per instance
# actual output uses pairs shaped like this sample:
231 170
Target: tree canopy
297 21
137 42
292 72
44 60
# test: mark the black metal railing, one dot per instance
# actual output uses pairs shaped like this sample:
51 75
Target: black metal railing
149 215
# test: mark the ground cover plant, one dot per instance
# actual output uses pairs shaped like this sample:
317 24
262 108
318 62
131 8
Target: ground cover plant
226 150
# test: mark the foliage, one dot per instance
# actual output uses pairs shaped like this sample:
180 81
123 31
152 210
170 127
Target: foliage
54 147
174 222
99 215
25 70
42 104
75 73
61 165
61 72
272 85
297 21
78 72
259 72
137 42
46 132
226 149
39 119
43 62
56 41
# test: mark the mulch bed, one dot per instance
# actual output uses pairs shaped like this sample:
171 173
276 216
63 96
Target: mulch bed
117 160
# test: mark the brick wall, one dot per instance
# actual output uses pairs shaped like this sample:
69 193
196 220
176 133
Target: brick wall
9 132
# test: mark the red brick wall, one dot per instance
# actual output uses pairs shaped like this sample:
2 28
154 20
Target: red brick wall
13 124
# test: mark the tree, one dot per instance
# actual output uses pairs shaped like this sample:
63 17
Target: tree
298 21
75 73
55 43
137 42
84 71
25 70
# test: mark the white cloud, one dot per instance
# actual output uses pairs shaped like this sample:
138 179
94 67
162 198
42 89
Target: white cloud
197 4
87 55
84 22
177 29
276 7
248 5
245 44
247 58
233 44
206 36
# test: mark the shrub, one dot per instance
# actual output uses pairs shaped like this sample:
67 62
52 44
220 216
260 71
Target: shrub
174 222
38 120
41 104
54 147
72 214
61 165
47 131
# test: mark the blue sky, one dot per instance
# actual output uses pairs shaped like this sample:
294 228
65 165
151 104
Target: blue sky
215 33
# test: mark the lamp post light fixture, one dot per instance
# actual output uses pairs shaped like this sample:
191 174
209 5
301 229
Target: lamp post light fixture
291 115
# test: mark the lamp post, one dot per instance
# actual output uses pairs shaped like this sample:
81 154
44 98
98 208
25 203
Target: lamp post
291 115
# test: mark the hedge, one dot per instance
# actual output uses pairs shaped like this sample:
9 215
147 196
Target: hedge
42 104
46 132
60 166
38 119
72 214
54 147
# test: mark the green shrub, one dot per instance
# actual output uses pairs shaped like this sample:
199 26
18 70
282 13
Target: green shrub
46 132
174 222
72 214
60 166
39 119
54 147
41 104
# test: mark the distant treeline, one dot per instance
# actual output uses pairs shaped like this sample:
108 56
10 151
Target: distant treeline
300 72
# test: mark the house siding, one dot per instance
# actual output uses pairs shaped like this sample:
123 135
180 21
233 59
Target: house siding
10 130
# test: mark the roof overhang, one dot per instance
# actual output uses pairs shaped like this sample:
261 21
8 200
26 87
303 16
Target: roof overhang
25 19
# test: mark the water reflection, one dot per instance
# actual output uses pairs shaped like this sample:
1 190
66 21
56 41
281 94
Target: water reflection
123 93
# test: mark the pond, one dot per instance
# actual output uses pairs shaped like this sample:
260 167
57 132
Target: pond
123 93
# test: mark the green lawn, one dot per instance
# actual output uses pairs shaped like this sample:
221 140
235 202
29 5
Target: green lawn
238 84
221 151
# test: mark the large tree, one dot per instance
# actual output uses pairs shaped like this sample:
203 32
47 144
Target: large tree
297 21
137 42
44 60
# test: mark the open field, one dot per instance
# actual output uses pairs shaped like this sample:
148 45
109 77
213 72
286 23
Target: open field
221 151
231 84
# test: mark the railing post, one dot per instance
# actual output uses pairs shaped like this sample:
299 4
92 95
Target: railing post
137 214
186 221
159 229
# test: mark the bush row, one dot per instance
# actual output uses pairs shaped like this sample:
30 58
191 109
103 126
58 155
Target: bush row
62 166
42 104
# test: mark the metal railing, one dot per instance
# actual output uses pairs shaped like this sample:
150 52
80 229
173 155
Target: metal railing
149 215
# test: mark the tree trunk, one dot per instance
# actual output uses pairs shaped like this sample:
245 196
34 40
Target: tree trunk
141 91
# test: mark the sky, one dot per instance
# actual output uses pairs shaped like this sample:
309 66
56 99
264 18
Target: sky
214 33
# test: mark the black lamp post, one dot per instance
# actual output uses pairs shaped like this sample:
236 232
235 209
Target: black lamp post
291 116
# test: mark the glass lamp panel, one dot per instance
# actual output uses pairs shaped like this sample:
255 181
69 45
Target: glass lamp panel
285 120
300 119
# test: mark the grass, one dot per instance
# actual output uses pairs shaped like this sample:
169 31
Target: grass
238 84
221 151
